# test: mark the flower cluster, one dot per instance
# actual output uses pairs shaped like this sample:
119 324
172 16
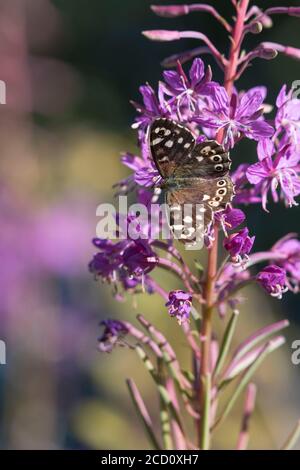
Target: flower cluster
206 108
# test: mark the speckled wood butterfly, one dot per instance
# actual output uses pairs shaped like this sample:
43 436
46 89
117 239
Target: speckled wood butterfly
193 174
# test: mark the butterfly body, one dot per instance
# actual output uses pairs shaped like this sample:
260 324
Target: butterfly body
195 174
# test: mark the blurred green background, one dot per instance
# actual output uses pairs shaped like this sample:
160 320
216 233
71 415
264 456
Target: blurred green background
71 67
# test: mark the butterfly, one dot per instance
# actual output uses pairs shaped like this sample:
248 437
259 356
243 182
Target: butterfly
194 175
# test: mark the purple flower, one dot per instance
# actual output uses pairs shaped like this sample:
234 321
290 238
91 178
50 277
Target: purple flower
152 107
139 258
230 280
276 168
245 194
288 250
239 244
179 305
239 116
145 174
114 331
109 261
126 261
288 115
273 279
187 91
230 218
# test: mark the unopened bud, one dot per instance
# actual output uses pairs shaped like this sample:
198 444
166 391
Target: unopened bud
268 54
162 35
256 27
171 10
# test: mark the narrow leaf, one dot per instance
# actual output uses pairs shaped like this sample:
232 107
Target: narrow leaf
293 438
226 342
165 421
268 348
238 366
163 392
258 336
247 413
142 412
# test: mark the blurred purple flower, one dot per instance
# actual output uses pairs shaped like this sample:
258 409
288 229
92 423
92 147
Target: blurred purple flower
273 279
239 244
288 249
114 331
126 261
288 115
139 258
238 116
230 280
179 305
276 168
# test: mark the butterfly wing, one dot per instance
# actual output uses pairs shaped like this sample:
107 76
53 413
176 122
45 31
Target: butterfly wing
207 160
192 206
196 175
170 145
175 152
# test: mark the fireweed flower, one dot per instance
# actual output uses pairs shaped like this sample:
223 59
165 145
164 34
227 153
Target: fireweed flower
288 250
126 261
237 116
144 172
151 108
230 218
239 244
273 279
188 92
288 115
245 194
114 331
228 285
179 305
276 169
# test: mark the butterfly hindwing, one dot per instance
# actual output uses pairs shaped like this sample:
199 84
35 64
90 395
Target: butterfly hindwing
198 198
208 160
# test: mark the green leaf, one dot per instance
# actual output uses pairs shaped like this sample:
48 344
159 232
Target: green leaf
142 412
243 382
224 349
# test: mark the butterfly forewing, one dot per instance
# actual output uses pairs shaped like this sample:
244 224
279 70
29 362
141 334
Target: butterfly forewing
170 144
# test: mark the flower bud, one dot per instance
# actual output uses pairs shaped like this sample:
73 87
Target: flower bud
171 10
162 35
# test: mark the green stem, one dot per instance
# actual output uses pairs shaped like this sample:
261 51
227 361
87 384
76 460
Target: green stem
205 435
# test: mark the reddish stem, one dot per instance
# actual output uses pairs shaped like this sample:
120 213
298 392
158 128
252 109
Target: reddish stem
206 330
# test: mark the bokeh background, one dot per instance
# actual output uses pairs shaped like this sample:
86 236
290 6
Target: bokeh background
71 67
